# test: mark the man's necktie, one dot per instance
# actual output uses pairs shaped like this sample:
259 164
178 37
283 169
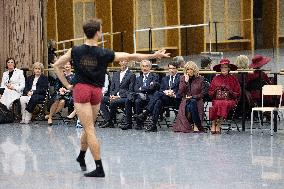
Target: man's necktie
144 80
171 82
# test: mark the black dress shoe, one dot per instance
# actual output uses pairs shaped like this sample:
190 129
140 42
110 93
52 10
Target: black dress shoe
127 126
138 127
152 128
168 113
108 124
142 116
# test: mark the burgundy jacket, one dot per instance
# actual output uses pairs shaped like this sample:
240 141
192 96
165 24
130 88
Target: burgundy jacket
194 88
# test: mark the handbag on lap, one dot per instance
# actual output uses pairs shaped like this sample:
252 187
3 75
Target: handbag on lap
222 94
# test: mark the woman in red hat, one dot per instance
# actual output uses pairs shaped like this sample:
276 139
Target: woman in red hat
256 80
224 91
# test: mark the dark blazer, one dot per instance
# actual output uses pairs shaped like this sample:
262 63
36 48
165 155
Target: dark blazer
126 85
41 85
165 84
148 89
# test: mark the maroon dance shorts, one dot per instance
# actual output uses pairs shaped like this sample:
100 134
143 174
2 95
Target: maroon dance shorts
84 93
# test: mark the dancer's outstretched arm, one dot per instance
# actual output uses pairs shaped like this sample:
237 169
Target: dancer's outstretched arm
123 56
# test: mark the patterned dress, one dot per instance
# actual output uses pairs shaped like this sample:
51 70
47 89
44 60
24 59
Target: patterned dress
68 95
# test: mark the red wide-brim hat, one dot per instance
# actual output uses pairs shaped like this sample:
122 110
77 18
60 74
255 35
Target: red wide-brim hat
258 61
224 61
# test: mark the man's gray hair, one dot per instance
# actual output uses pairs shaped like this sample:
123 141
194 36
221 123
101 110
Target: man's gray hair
146 61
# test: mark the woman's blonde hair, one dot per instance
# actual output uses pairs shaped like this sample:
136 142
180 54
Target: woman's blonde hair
242 62
38 64
193 66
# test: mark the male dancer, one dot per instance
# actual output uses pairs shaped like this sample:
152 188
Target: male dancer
90 64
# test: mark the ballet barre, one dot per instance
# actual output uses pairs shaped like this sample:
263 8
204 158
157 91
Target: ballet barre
149 29
84 38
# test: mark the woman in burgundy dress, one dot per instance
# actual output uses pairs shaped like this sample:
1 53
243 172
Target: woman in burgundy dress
256 80
191 109
224 91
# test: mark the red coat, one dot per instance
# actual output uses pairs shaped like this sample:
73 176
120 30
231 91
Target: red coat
195 88
221 108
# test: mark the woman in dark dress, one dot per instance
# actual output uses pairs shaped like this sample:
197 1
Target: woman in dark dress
191 109
224 91
63 97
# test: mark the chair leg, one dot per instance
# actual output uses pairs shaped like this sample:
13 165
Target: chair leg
271 123
251 122
260 121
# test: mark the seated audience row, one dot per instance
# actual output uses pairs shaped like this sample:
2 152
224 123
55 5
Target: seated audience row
146 96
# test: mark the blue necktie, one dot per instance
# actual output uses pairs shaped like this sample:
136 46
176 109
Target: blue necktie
144 80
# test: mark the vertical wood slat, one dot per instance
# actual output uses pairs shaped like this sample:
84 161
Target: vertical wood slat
21 29
2 39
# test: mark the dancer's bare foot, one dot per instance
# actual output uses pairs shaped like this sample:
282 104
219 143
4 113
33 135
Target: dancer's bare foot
213 127
49 121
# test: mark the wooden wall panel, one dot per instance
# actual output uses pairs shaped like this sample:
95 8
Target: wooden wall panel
51 20
83 10
218 15
192 13
172 18
281 18
269 20
65 20
104 12
21 31
247 9
159 20
123 20
2 28
234 28
143 20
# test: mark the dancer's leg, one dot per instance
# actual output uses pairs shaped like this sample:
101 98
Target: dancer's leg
86 112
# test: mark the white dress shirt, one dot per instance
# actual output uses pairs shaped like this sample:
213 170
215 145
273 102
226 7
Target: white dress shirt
173 80
122 74
34 83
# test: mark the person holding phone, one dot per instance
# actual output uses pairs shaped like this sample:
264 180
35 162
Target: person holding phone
191 88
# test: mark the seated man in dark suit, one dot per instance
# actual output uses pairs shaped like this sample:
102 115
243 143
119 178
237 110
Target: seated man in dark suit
146 85
168 95
122 84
